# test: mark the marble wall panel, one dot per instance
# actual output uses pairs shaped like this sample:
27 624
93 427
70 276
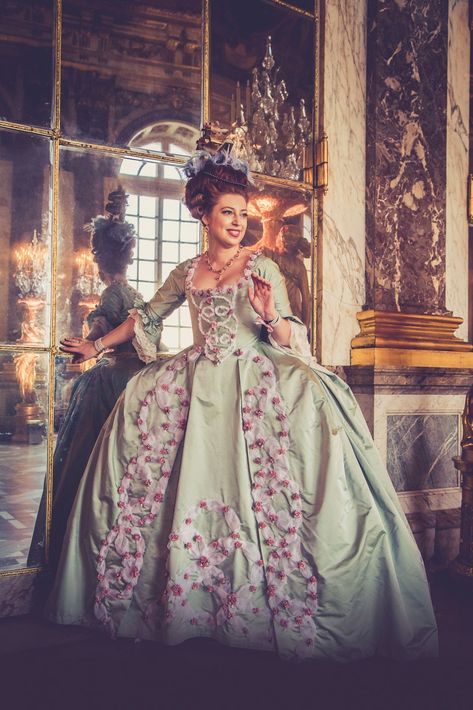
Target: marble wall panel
406 154
420 405
417 433
420 448
386 405
458 77
342 231
16 594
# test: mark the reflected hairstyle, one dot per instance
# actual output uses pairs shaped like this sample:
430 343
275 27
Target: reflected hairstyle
112 243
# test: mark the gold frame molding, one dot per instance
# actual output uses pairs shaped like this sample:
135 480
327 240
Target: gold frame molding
58 140
294 8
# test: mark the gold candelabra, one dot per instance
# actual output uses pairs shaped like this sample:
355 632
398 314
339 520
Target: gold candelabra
88 284
30 278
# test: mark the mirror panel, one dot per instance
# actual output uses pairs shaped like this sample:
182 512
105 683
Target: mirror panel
26 61
131 72
25 297
23 455
262 84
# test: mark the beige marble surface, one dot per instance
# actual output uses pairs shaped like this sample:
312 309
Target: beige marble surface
457 161
342 234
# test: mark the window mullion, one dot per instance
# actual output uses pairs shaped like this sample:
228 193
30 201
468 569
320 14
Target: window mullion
159 240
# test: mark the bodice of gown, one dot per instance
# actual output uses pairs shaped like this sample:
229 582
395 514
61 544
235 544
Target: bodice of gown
222 317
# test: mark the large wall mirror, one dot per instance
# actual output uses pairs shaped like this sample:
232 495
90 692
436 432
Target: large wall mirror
111 95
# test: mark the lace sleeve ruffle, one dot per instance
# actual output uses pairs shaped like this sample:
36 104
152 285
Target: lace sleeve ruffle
298 344
148 329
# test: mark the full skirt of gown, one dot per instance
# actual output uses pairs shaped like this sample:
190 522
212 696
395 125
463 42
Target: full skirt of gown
235 493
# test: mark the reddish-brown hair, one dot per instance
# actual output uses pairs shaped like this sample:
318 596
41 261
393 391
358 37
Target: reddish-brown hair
204 189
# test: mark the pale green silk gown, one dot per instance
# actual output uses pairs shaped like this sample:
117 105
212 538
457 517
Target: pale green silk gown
235 493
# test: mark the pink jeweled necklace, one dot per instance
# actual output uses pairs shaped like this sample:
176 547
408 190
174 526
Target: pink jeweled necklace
219 272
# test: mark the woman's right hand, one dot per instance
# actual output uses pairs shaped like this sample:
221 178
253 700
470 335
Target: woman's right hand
81 348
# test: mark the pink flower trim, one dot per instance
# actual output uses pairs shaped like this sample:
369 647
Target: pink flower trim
280 526
141 490
233 607
216 316
226 288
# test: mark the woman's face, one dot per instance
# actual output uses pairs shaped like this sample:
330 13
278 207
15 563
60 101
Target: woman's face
227 220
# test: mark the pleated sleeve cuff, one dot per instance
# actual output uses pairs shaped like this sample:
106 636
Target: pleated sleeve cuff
147 334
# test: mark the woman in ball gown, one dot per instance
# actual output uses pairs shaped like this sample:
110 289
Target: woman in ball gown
95 391
235 492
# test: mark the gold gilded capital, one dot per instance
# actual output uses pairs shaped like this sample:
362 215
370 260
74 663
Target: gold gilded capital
409 340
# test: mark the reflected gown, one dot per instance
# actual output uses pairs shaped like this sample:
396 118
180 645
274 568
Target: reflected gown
235 493
93 397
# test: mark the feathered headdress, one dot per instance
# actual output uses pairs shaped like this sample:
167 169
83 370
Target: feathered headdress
215 146
199 160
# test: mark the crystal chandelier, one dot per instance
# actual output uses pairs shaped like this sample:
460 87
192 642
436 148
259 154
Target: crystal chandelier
268 132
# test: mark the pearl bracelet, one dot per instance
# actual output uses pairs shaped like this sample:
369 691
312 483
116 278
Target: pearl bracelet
98 345
274 321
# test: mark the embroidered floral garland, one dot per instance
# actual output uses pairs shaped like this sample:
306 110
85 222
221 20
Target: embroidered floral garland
235 607
264 410
142 488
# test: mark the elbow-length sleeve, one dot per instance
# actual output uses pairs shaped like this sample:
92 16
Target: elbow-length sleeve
299 344
111 310
149 316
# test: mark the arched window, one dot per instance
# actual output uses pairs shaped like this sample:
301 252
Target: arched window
166 233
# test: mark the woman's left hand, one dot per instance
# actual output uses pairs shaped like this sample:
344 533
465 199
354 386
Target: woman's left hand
262 298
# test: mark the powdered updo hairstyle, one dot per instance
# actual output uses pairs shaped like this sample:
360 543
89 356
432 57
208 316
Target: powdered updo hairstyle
113 239
112 244
209 181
